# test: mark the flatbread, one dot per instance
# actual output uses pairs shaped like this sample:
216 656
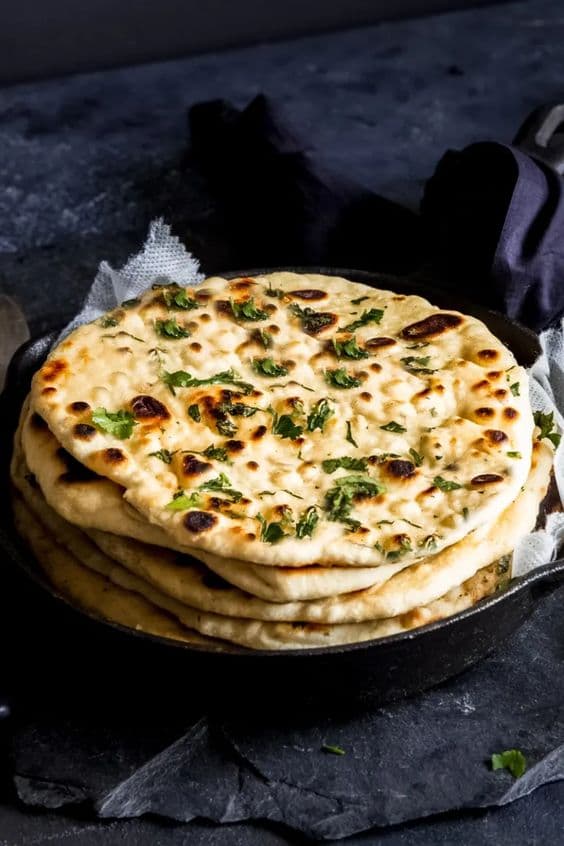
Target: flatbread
418 585
105 588
434 388
93 592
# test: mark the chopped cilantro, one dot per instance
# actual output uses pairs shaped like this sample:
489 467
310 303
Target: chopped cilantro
339 499
285 385
218 453
349 349
347 462
291 493
402 549
349 435
514 388
170 329
268 367
181 379
417 365
410 523
465 513
429 543
373 315
417 457
225 426
512 760
319 415
309 519
333 750
265 338
274 532
247 310
359 300
129 335
164 455
545 422
194 412
392 426
445 484
221 483
178 299
182 501
312 321
107 322
117 423
514 454
278 293
266 493
341 379
238 409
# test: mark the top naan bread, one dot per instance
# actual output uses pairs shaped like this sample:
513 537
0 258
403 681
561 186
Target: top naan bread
237 394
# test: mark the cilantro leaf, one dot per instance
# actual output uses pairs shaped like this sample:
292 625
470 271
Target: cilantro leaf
108 322
339 499
182 379
268 367
218 453
514 454
182 501
359 300
224 425
274 532
373 315
223 484
319 416
417 365
312 321
247 310
347 462
341 379
284 426
164 455
349 349
194 412
170 329
349 435
309 519
416 457
445 484
238 409
392 426
178 299
117 423
264 337
512 760
514 388
545 422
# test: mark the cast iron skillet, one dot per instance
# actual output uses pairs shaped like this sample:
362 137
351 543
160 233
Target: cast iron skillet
384 669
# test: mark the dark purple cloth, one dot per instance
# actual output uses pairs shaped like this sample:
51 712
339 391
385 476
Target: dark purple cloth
491 223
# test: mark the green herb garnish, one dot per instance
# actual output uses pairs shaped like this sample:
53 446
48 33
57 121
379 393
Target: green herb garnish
268 367
403 548
309 519
347 462
221 483
373 315
170 329
349 349
274 532
333 750
349 435
512 760
545 422
341 379
178 299
238 409
194 412
218 453
445 484
182 501
247 310
465 513
165 455
514 454
312 321
514 388
181 379
117 423
319 415
339 499
107 322
225 426
265 338
417 365
392 426
359 300
416 457
284 426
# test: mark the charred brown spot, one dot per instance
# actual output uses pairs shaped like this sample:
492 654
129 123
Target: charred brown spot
376 368
494 374
270 308
488 355
46 391
234 446
289 363
510 413
37 422
192 466
484 412
251 536
273 329
223 307
501 393
51 370
400 469
252 465
377 343
75 472
259 433
486 479
79 407
84 431
483 383
366 396
435 324
199 521
242 284
398 297
112 455
495 436
205 317
203 296
424 393
309 294
322 321
195 346
146 407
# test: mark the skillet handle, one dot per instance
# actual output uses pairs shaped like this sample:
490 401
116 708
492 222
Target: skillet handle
548 579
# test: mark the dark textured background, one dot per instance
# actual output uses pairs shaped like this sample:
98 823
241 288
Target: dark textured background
87 161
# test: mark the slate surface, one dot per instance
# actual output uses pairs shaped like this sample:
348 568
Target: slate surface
86 163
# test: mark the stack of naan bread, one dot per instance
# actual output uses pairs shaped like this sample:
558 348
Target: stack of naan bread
278 462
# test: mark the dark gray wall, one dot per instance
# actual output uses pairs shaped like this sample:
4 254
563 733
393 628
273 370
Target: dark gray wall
49 37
